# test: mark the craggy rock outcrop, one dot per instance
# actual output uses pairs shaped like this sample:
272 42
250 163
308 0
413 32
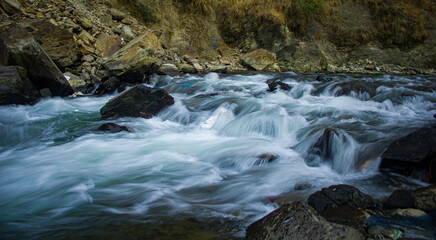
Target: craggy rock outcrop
138 101
259 59
113 128
57 42
18 47
15 88
298 221
413 155
136 60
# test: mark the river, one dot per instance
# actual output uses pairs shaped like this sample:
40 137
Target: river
206 167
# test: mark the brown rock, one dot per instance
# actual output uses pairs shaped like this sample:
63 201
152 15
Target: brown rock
15 87
107 45
11 6
117 14
258 60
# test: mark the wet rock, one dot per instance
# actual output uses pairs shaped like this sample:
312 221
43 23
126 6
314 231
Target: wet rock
346 215
168 69
117 14
109 86
354 86
423 199
322 149
258 60
113 128
298 221
413 155
266 158
57 42
78 84
323 79
273 83
138 58
341 195
11 6
401 198
138 101
302 186
107 45
15 87
187 68
18 47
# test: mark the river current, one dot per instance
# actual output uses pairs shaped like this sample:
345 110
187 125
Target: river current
205 167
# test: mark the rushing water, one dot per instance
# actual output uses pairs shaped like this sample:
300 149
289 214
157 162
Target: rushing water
204 168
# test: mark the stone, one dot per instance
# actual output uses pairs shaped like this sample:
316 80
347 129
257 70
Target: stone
86 23
413 155
138 101
401 198
18 47
127 34
346 215
198 67
407 213
298 221
113 128
88 58
117 14
274 83
354 86
107 45
109 86
258 60
11 6
217 68
57 42
139 58
15 87
72 25
168 69
187 68
324 79
86 37
78 85
341 195
425 198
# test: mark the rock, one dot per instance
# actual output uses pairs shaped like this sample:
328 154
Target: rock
57 42
86 37
198 67
258 60
341 195
217 68
302 186
76 83
109 86
141 56
88 58
407 213
354 86
266 158
423 199
346 215
401 198
71 25
113 128
322 150
168 69
323 79
298 221
127 34
117 14
273 83
18 47
107 45
187 68
413 155
15 87
86 23
138 101
11 6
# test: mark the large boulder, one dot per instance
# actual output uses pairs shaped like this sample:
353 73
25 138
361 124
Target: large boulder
298 221
423 199
259 59
57 42
413 155
18 47
15 87
138 58
138 101
341 195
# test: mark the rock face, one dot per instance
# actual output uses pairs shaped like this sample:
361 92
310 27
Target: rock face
138 101
298 221
413 155
15 88
139 57
18 47
258 59
341 195
57 42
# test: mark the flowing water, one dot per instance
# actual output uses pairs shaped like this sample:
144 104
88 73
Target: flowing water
205 167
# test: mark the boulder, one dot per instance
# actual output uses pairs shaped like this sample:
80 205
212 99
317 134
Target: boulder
18 47
168 69
258 59
57 42
78 84
273 83
109 86
187 68
11 6
341 195
423 199
298 221
413 155
217 68
107 45
15 87
139 57
138 101
346 215
113 128
117 14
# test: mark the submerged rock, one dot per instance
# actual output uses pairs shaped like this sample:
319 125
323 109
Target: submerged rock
413 155
138 101
273 83
113 128
298 221
356 87
19 48
15 87
259 59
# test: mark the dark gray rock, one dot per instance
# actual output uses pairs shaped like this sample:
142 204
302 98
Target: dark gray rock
109 86
354 86
15 87
113 128
274 83
138 101
298 221
19 48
